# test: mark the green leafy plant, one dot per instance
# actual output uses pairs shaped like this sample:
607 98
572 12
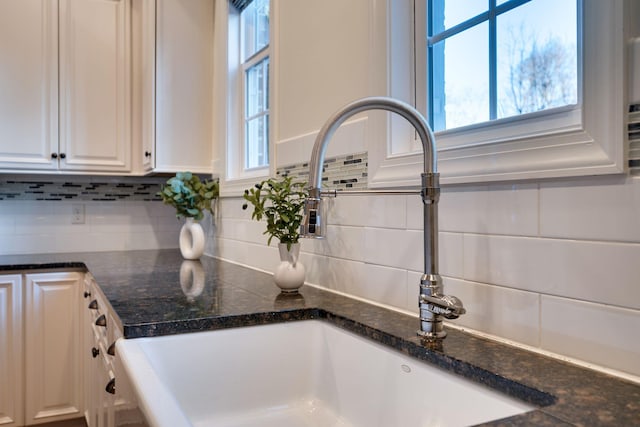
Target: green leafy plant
280 202
189 195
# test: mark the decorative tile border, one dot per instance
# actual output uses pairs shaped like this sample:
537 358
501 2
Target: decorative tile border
339 173
634 139
81 188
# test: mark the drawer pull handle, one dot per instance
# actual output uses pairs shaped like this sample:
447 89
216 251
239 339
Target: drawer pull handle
95 352
101 321
111 351
111 386
93 305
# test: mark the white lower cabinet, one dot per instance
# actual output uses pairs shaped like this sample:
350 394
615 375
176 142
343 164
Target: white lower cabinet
40 348
53 380
109 401
11 351
57 354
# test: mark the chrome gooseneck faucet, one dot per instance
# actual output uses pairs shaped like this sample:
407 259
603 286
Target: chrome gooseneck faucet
434 305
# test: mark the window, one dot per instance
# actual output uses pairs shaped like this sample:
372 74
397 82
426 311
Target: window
494 59
480 136
255 66
244 95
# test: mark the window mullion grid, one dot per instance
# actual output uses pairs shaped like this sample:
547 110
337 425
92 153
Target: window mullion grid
259 59
493 62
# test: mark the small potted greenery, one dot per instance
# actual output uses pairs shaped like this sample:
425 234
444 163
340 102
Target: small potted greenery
280 202
190 197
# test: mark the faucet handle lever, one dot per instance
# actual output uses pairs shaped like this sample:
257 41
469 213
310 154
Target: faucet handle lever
446 305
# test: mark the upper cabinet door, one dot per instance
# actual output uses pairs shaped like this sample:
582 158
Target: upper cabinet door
28 84
95 74
184 86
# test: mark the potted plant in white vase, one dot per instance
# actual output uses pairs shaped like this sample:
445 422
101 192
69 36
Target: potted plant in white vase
190 197
280 202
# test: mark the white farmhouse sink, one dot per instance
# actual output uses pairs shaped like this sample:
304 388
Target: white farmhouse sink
307 373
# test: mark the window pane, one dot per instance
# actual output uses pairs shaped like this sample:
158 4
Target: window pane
461 90
537 57
257 88
257 116
453 12
257 142
255 27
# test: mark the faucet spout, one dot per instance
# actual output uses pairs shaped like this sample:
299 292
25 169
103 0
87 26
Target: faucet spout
313 224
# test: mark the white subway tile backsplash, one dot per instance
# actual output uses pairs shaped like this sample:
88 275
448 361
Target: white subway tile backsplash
231 207
345 242
384 212
415 216
255 255
45 226
243 230
504 312
383 285
569 268
594 209
596 333
346 210
394 248
496 209
451 254
333 273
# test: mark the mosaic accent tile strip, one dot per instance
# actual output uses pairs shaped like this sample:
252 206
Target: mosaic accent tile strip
338 173
80 188
634 139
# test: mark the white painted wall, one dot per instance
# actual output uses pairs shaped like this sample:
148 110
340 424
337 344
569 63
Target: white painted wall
550 264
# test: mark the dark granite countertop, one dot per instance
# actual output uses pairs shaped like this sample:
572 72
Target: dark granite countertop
144 290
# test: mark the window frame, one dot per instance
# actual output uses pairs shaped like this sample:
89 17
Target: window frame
230 85
588 140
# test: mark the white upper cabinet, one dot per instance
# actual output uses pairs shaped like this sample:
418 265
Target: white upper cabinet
176 74
95 60
65 96
28 83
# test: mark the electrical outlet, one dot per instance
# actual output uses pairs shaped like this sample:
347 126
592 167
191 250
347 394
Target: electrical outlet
77 214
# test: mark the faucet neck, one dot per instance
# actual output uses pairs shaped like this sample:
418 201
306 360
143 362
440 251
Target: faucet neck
372 103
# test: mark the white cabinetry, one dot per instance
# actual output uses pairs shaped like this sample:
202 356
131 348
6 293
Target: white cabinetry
176 75
109 400
77 119
95 61
11 351
57 354
53 380
28 83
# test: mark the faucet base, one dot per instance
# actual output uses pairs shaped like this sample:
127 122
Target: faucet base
430 324
432 336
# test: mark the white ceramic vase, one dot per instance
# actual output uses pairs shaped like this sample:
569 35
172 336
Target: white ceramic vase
289 275
191 239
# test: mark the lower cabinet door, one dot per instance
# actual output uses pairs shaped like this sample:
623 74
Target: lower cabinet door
11 373
53 358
